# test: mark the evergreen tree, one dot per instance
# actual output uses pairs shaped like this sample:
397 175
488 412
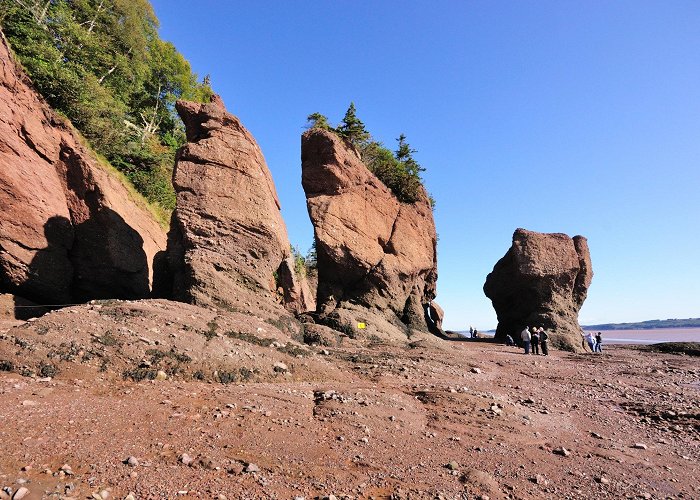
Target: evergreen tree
404 154
352 127
317 120
398 170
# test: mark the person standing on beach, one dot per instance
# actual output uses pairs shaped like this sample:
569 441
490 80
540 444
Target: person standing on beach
598 342
591 341
526 338
543 340
535 341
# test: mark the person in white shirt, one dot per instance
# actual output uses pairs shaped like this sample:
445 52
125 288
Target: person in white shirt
590 338
526 338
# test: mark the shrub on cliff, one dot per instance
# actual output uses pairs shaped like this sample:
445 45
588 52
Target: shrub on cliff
103 65
398 170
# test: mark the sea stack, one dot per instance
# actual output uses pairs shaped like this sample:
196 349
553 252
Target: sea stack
377 260
542 281
227 245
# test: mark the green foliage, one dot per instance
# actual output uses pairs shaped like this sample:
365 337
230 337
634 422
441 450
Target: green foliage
304 265
317 120
311 259
102 64
398 170
352 128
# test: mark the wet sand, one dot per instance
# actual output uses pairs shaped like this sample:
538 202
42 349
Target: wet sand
650 336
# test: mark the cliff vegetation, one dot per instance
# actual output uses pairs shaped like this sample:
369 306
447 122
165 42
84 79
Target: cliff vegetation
102 64
398 170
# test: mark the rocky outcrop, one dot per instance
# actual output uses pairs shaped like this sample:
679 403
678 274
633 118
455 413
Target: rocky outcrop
69 229
541 281
227 245
377 259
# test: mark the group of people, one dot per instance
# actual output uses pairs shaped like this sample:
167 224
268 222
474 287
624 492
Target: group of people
595 342
537 340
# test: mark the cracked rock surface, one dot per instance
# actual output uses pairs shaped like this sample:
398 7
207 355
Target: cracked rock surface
69 229
227 240
375 254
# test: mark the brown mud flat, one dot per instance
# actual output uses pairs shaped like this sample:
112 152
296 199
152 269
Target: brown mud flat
420 420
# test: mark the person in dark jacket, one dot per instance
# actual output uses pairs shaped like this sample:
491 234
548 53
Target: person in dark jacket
544 342
535 341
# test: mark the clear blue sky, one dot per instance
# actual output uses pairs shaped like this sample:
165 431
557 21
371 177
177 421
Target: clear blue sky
573 117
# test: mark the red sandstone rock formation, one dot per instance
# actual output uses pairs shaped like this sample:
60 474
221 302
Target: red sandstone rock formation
376 256
541 281
227 244
69 230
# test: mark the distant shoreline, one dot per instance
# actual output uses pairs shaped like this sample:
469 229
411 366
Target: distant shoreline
643 336
653 324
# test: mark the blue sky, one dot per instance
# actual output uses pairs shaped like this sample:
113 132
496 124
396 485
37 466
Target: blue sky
573 117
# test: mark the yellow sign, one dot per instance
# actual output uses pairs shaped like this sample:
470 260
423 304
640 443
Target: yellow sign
361 326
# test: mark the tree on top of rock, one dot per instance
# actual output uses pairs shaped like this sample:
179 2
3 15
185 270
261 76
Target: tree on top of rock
352 128
317 120
404 154
398 170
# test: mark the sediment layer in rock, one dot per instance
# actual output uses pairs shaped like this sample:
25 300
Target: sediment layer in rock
227 244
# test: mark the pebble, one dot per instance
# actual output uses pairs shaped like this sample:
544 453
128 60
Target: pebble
132 461
475 370
130 496
280 367
161 375
603 480
562 451
540 479
452 465
251 468
639 446
186 459
20 493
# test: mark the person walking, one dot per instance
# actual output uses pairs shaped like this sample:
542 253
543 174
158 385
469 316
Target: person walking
598 342
526 338
543 340
535 341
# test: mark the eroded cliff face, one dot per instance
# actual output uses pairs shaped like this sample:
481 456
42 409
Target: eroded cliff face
69 230
227 245
542 280
377 259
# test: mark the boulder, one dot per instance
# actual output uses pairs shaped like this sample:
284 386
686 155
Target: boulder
227 245
69 229
542 281
376 256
